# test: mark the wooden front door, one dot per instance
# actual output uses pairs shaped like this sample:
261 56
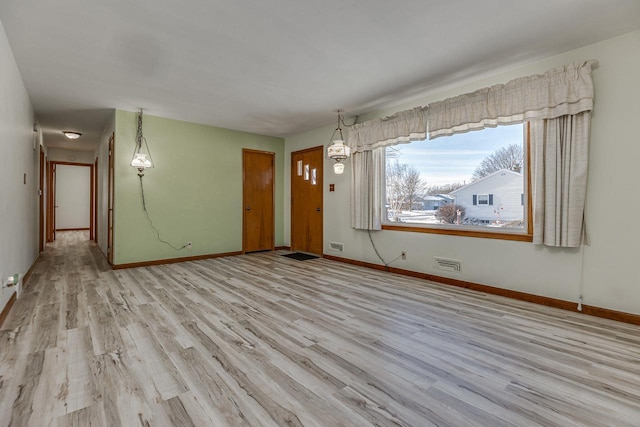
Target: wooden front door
306 200
258 178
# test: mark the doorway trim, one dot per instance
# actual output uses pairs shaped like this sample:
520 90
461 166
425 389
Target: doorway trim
110 196
41 203
51 186
51 191
92 196
95 201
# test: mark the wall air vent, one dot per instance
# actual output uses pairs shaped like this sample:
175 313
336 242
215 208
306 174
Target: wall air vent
447 264
335 246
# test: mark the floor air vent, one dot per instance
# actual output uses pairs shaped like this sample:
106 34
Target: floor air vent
447 264
335 246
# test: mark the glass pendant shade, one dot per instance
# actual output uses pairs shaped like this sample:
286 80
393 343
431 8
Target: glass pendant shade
338 151
141 155
141 161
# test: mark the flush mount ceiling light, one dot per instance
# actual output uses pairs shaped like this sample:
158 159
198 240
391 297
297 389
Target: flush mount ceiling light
338 151
141 155
71 134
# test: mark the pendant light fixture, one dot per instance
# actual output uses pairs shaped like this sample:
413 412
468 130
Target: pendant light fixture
338 151
141 155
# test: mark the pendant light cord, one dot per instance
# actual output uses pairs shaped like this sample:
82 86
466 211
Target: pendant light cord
146 212
341 122
386 264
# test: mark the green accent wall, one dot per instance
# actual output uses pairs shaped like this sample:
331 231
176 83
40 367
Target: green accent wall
194 192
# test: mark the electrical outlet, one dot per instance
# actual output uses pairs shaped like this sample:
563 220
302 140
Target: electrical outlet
404 255
189 243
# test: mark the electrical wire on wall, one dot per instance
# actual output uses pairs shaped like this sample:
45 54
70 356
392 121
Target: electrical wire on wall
142 160
146 212
386 264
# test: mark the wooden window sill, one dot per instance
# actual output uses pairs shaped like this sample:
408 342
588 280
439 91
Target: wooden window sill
519 237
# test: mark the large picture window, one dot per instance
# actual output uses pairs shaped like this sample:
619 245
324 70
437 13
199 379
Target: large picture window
475 182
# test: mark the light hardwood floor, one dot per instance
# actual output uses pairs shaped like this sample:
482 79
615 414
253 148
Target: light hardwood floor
261 339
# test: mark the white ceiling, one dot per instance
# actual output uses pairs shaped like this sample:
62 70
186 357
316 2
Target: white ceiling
275 67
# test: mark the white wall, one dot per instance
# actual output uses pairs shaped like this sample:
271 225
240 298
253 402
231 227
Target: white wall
606 273
18 201
73 197
73 156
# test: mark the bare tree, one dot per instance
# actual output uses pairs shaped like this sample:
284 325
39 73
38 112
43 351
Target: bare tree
510 157
414 186
395 194
404 186
432 190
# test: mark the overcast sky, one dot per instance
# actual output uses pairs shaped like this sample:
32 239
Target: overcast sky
447 160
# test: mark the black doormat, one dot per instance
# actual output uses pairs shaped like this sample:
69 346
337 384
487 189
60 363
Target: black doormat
300 256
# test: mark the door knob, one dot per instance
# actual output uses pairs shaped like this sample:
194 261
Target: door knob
248 208
318 209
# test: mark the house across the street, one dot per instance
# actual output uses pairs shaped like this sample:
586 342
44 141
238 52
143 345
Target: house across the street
431 203
496 198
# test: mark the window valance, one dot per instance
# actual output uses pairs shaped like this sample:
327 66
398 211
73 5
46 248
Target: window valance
560 91
566 90
405 126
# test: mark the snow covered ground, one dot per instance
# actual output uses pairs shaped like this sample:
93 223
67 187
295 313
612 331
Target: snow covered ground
429 217
422 217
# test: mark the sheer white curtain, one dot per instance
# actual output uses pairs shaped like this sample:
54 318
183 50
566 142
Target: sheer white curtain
367 182
560 162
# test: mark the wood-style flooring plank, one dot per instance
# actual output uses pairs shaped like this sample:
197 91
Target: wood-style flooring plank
264 340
